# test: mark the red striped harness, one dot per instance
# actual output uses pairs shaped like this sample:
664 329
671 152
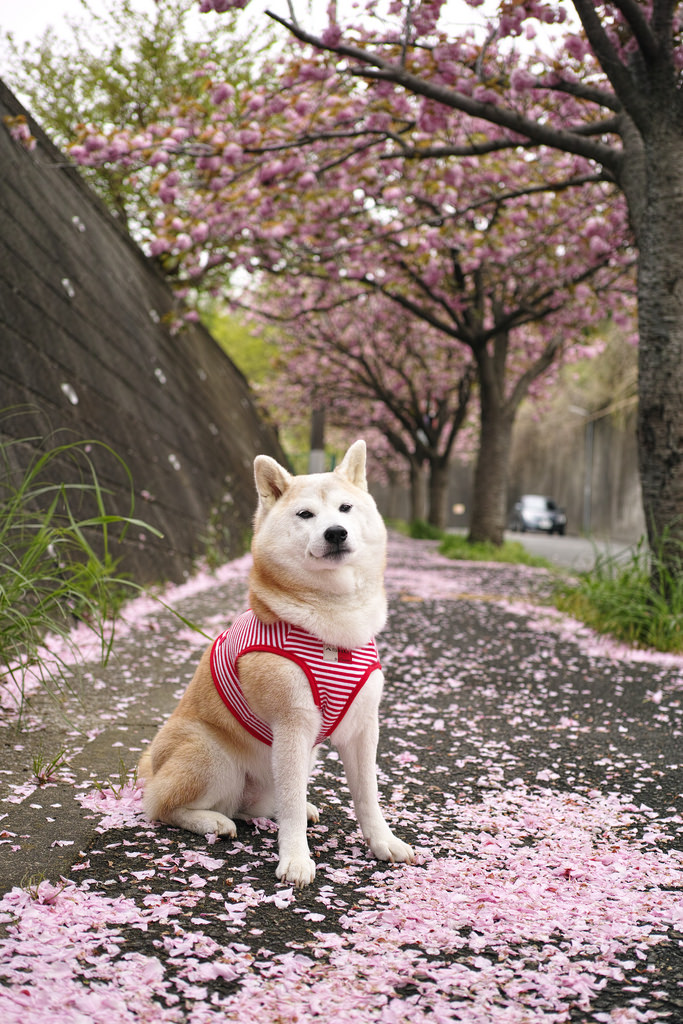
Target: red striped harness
335 675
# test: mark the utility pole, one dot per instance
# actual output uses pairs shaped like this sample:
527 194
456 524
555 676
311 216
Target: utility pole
589 432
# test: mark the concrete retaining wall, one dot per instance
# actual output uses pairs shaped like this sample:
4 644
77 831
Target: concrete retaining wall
86 351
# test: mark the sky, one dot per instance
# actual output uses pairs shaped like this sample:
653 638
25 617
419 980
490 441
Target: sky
28 20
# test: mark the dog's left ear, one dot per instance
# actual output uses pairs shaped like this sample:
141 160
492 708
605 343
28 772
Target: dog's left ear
352 466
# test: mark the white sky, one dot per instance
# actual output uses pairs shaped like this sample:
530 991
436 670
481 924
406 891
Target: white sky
27 19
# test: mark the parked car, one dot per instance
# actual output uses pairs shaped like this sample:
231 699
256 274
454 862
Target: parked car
537 512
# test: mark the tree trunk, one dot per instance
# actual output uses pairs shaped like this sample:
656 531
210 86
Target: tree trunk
660 320
316 456
438 492
489 498
418 491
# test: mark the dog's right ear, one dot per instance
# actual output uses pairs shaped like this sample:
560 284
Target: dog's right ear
352 466
272 480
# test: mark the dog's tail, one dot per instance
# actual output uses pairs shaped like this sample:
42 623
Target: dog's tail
145 766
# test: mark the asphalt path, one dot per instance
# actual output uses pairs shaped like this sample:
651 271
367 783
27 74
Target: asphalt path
535 769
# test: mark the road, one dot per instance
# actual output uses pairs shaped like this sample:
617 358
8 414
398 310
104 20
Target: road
576 553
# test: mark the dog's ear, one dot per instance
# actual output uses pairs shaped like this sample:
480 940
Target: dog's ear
352 466
272 480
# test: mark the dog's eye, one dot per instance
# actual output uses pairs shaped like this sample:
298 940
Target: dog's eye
305 514
345 508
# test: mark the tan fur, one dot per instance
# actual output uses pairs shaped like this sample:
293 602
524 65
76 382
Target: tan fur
203 768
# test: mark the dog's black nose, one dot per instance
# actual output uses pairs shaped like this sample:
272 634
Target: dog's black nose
335 535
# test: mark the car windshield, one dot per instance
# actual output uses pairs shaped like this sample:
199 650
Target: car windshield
534 501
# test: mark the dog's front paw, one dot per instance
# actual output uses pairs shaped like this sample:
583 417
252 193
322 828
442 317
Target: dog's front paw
299 871
388 847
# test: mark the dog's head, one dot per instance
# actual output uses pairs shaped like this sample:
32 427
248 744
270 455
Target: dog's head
320 521
319 551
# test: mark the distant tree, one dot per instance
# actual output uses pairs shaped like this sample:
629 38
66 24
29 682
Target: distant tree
494 260
366 361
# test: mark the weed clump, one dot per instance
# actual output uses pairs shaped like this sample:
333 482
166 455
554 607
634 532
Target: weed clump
636 599
56 562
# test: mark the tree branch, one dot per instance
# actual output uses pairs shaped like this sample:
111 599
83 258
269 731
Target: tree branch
601 97
538 367
373 66
662 15
633 14
464 392
473 149
620 77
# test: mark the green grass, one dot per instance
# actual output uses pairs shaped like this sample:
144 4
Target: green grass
117 784
56 562
45 768
456 546
639 601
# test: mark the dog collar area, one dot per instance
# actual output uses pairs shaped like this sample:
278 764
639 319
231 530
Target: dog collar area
337 655
335 674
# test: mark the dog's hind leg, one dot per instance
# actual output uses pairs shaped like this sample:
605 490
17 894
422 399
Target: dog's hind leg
193 785
203 822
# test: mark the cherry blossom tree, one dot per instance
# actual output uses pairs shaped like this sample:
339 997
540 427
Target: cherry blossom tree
486 243
365 360
514 273
125 65
612 75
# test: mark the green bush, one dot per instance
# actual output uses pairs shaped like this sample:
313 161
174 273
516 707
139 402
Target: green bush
457 546
56 564
421 530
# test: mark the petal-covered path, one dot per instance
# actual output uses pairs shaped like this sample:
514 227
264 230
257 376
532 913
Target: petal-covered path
536 769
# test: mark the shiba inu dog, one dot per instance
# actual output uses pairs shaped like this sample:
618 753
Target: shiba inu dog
301 665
